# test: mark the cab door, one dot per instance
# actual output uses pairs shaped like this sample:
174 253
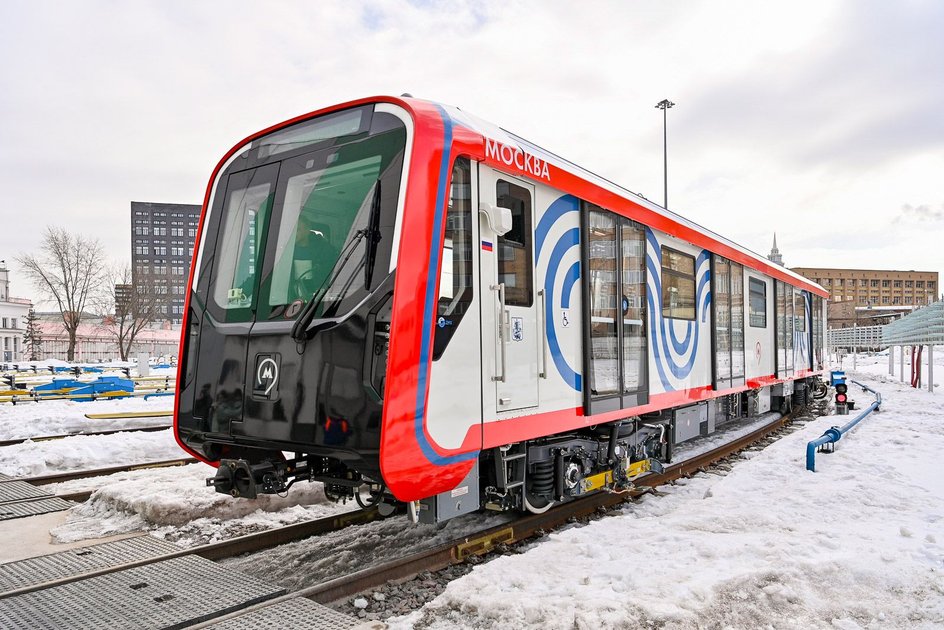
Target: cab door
511 305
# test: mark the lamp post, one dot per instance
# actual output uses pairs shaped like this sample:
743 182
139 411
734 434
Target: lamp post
665 104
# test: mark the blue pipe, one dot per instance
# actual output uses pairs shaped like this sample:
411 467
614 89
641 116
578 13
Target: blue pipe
834 434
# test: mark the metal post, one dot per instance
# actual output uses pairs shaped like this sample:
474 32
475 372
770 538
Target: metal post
931 367
902 363
855 344
665 104
891 361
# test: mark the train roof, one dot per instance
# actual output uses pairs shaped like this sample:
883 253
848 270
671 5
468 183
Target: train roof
494 132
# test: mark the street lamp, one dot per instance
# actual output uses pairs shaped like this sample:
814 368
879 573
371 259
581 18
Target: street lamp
665 104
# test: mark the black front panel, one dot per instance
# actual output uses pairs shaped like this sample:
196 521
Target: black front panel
310 221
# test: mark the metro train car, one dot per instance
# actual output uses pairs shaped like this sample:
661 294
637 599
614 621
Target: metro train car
412 305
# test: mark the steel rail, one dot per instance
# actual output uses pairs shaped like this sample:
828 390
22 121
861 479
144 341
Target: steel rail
101 472
46 438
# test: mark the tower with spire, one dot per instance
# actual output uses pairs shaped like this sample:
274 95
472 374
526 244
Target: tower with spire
775 256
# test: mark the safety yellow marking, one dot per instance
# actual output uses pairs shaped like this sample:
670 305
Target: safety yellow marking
637 468
484 544
597 481
129 414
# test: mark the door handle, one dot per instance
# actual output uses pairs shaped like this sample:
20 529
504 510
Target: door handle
500 287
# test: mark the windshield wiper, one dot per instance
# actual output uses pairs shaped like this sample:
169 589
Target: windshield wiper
371 232
308 313
373 237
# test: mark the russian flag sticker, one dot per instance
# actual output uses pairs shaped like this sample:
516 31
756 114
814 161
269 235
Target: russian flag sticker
486 246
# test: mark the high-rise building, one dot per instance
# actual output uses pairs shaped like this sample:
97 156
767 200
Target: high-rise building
162 241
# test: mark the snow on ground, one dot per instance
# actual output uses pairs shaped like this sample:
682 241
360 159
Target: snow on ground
171 503
58 417
176 505
85 452
858 544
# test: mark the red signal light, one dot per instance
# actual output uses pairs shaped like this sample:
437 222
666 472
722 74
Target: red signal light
841 398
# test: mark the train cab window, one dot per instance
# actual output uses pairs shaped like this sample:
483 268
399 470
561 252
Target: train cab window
757 302
678 284
514 248
248 201
455 280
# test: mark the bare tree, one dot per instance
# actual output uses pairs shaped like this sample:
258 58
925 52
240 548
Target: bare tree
69 269
128 306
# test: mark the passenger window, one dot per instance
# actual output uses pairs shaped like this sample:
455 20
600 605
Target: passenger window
514 248
758 303
799 311
455 280
678 284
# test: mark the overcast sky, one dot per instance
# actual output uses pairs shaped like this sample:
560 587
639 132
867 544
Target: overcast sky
822 121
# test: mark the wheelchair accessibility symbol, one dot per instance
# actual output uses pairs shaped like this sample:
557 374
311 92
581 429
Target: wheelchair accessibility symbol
565 319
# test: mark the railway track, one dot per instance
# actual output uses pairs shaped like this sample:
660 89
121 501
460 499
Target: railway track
428 560
532 525
47 438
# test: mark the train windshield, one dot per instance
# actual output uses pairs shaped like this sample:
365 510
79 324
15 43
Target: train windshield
296 223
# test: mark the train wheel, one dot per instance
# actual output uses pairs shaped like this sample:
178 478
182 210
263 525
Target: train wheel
537 505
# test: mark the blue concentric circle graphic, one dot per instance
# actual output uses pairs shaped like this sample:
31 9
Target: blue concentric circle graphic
568 240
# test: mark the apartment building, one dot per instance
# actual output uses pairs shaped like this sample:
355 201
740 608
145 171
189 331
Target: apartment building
875 287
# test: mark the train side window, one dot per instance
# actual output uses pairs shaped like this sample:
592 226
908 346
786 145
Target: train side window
799 310
604 300
455 279
514 248
678 284
758 302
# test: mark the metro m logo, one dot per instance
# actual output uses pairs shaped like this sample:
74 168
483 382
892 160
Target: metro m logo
266 379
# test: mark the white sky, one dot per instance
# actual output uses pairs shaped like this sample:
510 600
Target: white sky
822 121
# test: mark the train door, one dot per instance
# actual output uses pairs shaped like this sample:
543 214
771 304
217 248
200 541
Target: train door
507 276
614 312
237 228
728 315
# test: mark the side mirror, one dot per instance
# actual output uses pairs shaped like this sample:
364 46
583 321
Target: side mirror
499 219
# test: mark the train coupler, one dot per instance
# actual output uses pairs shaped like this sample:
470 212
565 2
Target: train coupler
239 478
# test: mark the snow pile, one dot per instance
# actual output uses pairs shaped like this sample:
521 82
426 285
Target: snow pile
85 452
859 544
175 504
58 417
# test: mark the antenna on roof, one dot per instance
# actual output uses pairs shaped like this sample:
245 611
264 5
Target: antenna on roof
406 95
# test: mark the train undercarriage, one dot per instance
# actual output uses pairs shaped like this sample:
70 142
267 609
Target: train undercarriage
534 475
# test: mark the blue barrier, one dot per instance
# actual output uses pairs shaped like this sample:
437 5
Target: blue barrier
56 386
104 384
147 396
834 434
